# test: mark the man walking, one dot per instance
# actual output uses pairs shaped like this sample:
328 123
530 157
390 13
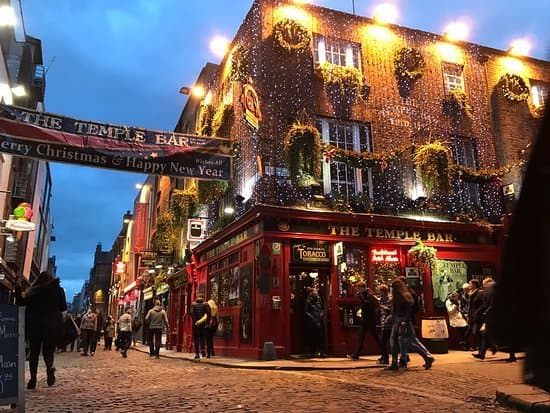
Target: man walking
369 317
125 329
200 314
156 319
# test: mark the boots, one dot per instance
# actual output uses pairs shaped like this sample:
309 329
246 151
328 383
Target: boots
32 383
51 376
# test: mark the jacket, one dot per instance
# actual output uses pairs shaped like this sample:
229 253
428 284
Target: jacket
200 309
456 319
125 322
109 328
156 317
89 322
369 307
45 302
314 312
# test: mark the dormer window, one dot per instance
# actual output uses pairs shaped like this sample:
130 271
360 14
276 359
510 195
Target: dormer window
336 51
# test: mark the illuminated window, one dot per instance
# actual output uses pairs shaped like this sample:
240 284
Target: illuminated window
465 153
453 77
338 177
539 94
336 51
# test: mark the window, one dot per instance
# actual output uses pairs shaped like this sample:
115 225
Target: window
453 77
336 51
465 153
339 177
539 94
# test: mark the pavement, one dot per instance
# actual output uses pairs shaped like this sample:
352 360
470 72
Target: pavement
521 397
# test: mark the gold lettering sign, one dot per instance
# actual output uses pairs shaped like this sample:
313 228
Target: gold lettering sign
389 233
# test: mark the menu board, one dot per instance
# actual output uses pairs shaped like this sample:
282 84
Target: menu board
12 359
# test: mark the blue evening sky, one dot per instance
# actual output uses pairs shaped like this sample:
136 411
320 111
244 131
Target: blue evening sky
124 62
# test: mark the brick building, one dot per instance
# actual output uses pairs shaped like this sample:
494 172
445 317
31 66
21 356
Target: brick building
350 202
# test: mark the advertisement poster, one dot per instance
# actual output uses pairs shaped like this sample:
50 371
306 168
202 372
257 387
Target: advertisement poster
447 277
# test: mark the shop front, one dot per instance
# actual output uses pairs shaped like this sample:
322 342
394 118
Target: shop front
261 269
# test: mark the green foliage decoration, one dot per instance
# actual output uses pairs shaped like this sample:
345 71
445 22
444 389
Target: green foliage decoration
422 256
303 149
433 163
514 87
346 80
184 204
291 35
240 64
222 121
456 104
205 120
165 236
209 191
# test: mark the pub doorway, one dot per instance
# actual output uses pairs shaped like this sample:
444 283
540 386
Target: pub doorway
302 280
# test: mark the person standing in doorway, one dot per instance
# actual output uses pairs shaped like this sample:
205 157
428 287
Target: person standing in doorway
45 302
88 328
315 321
200 314
211 328
125 329
156 319
369 318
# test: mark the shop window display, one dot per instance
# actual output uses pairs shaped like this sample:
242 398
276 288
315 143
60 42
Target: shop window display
385 272
353 267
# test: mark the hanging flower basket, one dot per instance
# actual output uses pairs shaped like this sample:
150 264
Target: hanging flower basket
514 87
433 163
211 190
291 35
422 256
184 204
303 149
346 81
456 104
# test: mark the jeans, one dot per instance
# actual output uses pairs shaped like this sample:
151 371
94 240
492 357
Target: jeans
155 338
89 341
198 339
126 341
385 342
364 328
48 348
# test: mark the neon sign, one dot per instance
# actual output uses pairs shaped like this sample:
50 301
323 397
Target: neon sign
384 255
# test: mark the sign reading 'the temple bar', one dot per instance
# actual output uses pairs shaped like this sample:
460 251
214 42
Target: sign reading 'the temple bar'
57 138
311 252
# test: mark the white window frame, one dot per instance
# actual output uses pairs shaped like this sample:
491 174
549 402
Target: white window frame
453 82
358 173
338 52
539 94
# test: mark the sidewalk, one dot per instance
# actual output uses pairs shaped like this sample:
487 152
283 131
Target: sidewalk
329 363
524 397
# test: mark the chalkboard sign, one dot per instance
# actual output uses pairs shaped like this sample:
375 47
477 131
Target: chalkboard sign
12 355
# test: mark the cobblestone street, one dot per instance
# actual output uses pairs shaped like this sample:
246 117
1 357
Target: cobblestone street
108 383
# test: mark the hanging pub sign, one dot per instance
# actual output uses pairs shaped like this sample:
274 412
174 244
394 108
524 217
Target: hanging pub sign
57 138
251 105
311 252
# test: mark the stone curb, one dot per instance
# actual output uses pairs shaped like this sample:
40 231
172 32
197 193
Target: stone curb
524 397
259 366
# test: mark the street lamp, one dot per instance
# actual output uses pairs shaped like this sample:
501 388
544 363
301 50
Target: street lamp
7 16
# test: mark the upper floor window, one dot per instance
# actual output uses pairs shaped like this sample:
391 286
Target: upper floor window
338 177
539 94
465 153
453 77
336 51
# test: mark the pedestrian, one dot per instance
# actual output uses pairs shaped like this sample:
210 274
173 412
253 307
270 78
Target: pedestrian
88 328
78 321
136 325
402 302
385 303
156 319
211 328
109 332
369 318
200 313
99 329
315 320
45 301
457 321
475 311
72 331
125 331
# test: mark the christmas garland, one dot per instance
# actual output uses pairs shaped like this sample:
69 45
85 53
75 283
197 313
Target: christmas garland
291 35
347 80
422 256
433 162
457 103
514 87
205 120
184 204
409 64
380 159
303 148
165 237
211 190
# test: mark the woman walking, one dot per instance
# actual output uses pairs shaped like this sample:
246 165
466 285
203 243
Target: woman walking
45 302
211 328
109 332
88 328
402 323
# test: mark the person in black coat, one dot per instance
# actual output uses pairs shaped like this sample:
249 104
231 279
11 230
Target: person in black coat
475 312
315 321
369 317
200 314
45 302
